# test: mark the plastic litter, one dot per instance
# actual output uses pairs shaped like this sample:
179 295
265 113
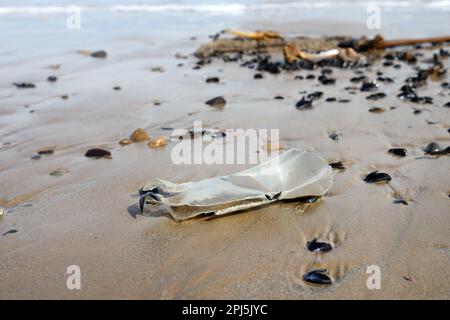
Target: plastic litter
293 174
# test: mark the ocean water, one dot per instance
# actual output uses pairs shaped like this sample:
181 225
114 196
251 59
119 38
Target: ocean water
41 25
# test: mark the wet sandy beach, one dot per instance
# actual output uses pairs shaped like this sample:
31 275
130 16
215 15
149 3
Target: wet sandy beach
89 215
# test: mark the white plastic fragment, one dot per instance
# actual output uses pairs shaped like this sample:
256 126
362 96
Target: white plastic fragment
293 174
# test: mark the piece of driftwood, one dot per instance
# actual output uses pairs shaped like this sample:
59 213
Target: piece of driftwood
259 41
240 44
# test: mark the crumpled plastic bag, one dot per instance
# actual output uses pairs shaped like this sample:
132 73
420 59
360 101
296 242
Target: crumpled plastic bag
293 174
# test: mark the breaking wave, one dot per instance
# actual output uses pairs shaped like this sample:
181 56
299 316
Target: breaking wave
225 8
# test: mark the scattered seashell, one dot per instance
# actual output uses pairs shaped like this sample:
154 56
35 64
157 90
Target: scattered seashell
315 95
139 135
359 79
46 151
337 165
317 277
157 69
59 172
304 103
218 102
334 136
376 110
376 96
35 156
98 153
117 88
2 212
157 142
401 200
323 79
369 86
407 278
24 85
65 97
398 152
434 148
125 142
52 79
258 76
376 176
54 66
99 54
212 80
385 79
316 246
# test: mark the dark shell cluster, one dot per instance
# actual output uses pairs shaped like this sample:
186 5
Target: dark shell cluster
317 276
306 101
378 177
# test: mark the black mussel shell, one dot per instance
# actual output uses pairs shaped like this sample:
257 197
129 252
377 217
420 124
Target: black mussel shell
316 246
376 176
434 149
304 103
45 151
325 80
447 105
334 136
52 79
315 95
398 152
98 153
376 110
258 76
331 99
369 86
24 85
216 102
376 96
99 54
317 277
337 165
401 200
278 97
358 79
385 79
212 80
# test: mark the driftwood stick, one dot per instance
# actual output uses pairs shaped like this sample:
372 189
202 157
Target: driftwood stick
411 42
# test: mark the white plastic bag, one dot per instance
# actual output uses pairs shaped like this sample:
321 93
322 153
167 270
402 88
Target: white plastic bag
293 174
